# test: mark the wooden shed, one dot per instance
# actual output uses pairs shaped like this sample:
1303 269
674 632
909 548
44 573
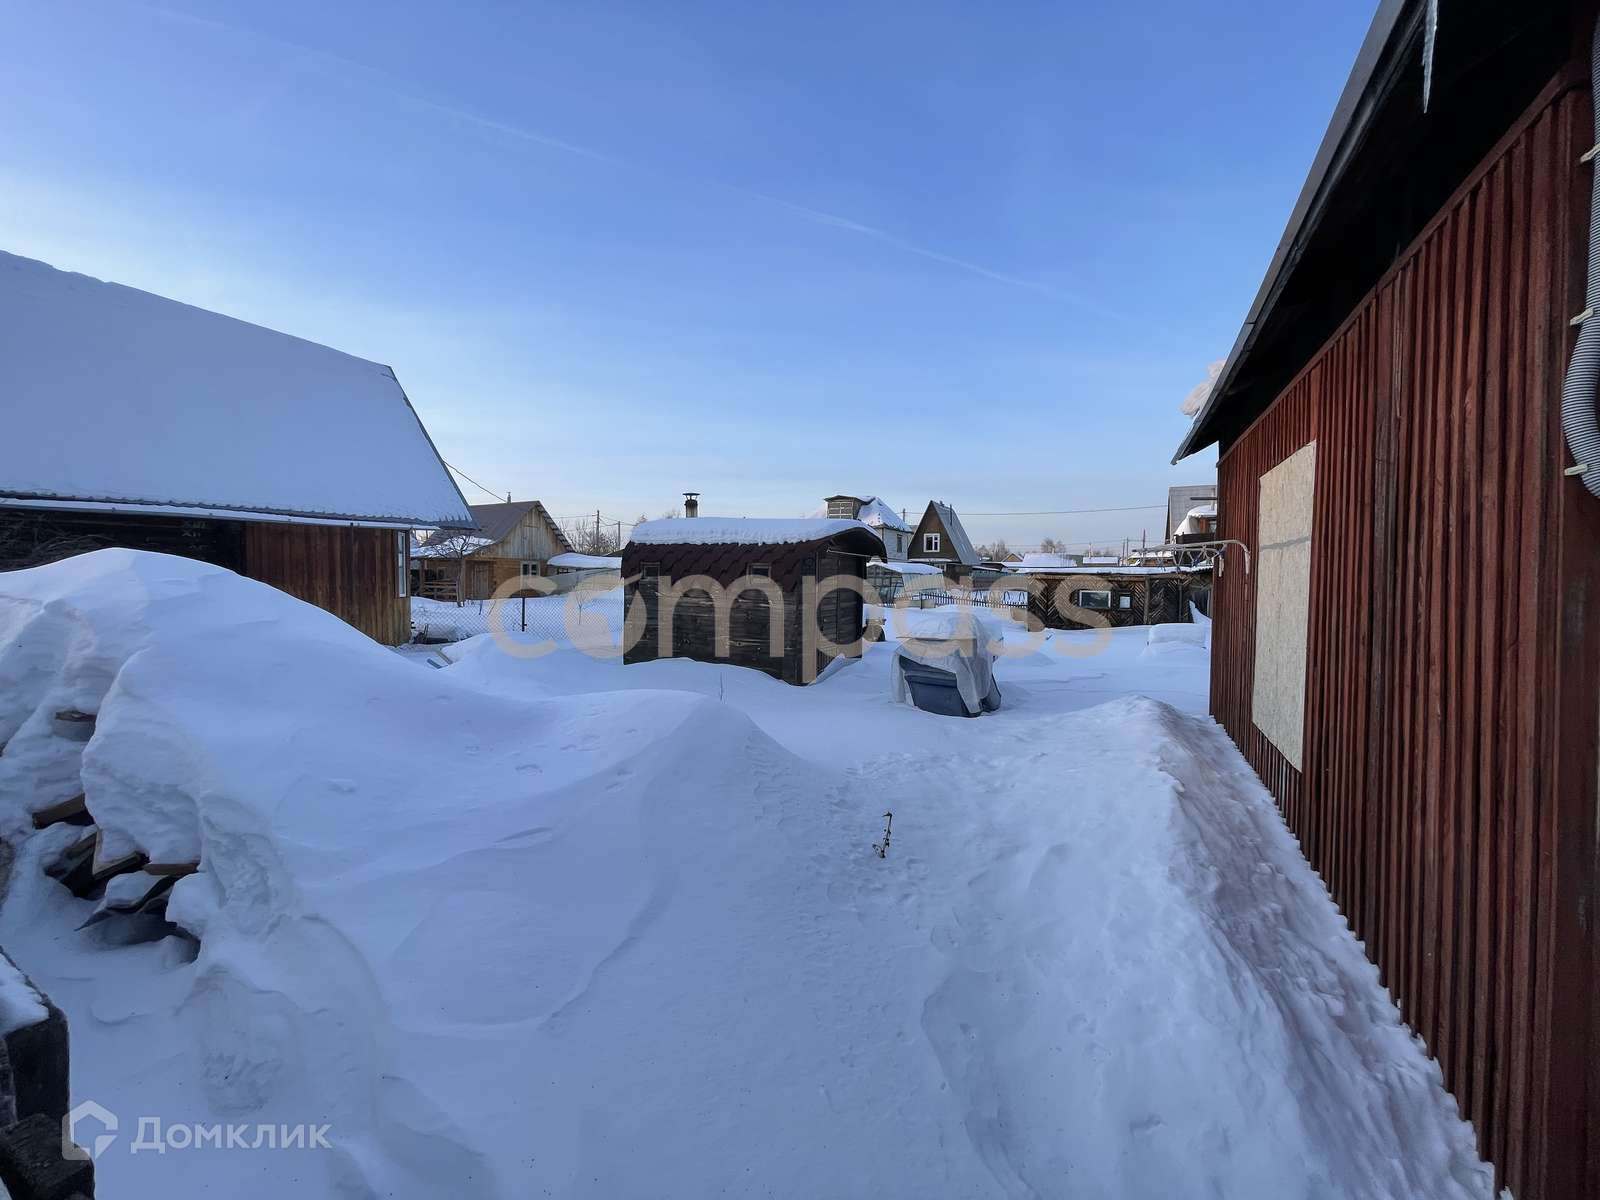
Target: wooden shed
1114 596
754 592
1411 664
137 421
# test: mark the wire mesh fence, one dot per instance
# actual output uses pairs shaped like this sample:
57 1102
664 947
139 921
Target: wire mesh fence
565 619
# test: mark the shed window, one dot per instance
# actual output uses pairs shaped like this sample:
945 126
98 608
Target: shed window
402 551
650 570
530 567
1084 598
930 543
842 508
761 569
1124 600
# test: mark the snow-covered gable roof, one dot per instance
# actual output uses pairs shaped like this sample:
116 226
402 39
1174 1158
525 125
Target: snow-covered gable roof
740 531
120 399
960 543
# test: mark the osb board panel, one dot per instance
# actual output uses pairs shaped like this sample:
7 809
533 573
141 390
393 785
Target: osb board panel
1283 600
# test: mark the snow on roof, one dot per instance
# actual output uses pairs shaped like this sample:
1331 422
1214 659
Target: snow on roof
1191 522
959 541
875 511
587 562
909 568
741 531
1114 568
1041 560
879 515
118 397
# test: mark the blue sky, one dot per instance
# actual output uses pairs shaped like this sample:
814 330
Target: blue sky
974 252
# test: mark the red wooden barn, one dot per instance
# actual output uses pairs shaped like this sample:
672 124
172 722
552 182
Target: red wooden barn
1413 664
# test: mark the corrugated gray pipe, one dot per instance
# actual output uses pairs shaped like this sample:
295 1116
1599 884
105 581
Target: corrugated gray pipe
1578 392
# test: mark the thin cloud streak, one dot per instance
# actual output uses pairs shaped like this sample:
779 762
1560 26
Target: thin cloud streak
393 87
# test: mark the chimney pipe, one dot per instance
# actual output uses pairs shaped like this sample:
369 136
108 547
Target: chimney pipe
691 504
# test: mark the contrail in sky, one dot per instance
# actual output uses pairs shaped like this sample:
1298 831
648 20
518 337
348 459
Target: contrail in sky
395 87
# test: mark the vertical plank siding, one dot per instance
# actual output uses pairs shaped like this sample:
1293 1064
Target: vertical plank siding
352 572
1448 787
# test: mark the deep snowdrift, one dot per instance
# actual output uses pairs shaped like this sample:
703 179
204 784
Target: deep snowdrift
623 943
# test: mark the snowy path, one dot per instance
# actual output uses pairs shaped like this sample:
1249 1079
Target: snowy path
563 927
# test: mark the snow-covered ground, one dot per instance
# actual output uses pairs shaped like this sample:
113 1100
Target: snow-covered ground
557 926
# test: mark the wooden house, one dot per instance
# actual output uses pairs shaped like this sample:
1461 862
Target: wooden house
136 421
514 540
940 539
752 592
878 516
1183 501
1410 664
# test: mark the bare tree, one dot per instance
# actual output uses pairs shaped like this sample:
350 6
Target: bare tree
453 546
32 541
590 537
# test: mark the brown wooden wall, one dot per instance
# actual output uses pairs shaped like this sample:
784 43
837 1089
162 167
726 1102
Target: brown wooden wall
352 572
1448 787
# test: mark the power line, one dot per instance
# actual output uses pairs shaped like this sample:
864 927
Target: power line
500 496
1070 512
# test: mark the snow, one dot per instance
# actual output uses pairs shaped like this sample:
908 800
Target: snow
875 512
741 531
880 516
908 568
175 406
587 562
20 1005
1193 519
556 925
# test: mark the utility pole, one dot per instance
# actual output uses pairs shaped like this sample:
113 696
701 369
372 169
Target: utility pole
597 529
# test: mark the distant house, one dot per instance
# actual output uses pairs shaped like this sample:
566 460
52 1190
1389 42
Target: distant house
1183 500
514 540
137 421
1199 524
758 563
940 539
882 519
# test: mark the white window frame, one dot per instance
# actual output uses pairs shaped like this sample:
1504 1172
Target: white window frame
402 542
931 543
1081 598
